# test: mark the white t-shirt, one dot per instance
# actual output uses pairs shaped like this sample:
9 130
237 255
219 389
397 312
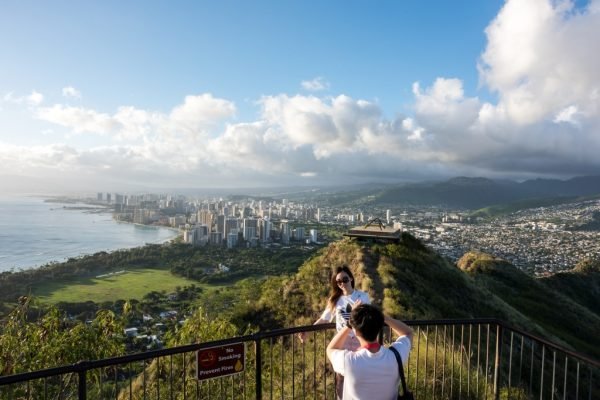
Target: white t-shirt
343 307
372 376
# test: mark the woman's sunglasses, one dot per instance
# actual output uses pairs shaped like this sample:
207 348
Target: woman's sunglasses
343 280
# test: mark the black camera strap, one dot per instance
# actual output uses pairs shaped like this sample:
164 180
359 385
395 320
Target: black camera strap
405 392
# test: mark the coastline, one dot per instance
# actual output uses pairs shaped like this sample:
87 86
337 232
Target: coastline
170 228
35 233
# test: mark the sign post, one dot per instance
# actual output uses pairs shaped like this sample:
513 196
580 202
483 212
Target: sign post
219 361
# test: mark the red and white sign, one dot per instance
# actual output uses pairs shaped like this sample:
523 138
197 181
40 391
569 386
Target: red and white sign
215 362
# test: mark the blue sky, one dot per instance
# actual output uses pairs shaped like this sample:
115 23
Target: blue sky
116 95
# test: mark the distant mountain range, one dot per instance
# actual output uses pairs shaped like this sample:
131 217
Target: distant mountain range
474 193
459 192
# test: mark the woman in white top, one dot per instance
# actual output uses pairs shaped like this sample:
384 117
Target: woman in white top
342 299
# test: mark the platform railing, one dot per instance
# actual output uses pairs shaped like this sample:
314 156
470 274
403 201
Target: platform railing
450 359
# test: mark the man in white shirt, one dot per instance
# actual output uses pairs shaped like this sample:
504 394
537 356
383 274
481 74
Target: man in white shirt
370 372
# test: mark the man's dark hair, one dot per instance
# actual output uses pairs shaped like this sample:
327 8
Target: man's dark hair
367 320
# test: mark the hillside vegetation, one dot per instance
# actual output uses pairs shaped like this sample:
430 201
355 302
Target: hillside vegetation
558 305
411 282
174 265
407 280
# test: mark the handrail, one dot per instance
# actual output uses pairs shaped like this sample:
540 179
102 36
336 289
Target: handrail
504 325
548 343
263 335
82 366
87 364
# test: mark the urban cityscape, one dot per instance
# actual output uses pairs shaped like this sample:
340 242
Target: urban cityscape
540 241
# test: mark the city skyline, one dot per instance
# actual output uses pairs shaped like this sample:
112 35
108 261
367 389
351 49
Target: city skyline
112 96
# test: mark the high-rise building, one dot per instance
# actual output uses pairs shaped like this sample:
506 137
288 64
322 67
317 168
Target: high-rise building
205 217
249 224
310 214
216 238
230 223
232 239
133 200
177 220
203 229
299 233
189 236
221 224
388 216
265 230
313 236
140 216
196 235
284 227
99 196
249 233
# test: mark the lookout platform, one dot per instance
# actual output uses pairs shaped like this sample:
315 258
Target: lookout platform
375 230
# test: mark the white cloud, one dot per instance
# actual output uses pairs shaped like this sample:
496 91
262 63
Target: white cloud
194 117
328 127
198 113
71 92
444 113
78 119
539 58
545 121
33 99
316 84
567 115
136 124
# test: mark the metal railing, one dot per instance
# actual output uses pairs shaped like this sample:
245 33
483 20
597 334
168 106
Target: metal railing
450 359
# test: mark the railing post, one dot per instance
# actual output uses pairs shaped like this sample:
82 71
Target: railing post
497 361
258 368
82 384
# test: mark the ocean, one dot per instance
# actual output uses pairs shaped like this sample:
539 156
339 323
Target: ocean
34 233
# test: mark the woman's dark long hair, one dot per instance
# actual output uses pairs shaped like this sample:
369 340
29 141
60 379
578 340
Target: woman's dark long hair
336 292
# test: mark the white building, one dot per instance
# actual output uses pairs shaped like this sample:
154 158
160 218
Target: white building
285 232
313 236
265 230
